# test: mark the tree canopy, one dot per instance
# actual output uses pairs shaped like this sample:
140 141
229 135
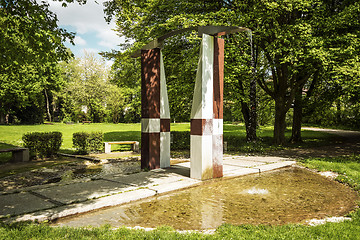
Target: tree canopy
31 45
298 39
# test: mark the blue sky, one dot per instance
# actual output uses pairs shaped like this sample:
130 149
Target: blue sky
93 34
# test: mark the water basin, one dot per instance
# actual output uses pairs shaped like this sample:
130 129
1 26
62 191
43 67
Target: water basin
290 195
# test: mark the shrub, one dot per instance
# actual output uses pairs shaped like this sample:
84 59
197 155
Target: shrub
234 142
180 140
42 144
88 142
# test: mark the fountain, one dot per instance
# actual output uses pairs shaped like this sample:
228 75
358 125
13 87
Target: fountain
292 195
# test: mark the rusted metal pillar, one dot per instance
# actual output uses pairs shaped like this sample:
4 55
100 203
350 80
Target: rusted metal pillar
206 151
155 113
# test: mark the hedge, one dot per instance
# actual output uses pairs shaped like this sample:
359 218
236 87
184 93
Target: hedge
85 143
42 144
181 141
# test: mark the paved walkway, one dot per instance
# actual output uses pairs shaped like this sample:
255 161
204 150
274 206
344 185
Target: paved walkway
49 202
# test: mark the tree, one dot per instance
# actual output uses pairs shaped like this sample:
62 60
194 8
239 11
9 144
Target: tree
337 77
31 44
88 94
285 32
125 73
244 64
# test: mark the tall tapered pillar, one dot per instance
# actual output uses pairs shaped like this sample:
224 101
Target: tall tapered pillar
206 151
155 113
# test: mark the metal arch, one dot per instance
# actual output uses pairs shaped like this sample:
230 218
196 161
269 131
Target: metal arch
210 30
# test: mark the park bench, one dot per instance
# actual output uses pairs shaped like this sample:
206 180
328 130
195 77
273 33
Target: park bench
135 145
18 154
86 122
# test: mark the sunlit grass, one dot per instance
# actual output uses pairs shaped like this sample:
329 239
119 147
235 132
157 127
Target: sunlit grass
124 132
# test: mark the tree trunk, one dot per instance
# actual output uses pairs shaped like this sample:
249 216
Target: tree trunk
245 112
297 118
280 123
47 106
2 118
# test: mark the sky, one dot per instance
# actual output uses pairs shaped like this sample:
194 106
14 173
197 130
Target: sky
93 33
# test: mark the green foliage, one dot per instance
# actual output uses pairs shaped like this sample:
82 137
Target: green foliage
180 140
42 144
125 74
293 42
85 143
88 94
31 45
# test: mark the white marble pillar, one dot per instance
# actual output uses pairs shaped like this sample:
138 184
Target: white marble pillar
206 146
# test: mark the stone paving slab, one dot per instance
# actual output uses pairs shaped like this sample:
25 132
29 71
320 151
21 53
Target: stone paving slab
272 166
148 180
242 163
266 159
20 203
231 168
235 172
175 185
79 192
67 210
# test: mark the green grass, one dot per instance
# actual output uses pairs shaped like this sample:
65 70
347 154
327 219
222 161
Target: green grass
344 230
117 132
12 135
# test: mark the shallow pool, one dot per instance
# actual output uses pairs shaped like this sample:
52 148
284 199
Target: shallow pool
290 195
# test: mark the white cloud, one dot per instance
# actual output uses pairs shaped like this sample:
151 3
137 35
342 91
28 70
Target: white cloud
88 20
109 38
79 41
90 50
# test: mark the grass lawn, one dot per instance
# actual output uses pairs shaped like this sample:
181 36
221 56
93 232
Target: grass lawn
11 136
122 132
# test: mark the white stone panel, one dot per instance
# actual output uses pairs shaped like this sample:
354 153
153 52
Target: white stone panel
164 149
164 100
218 126
150 125
200 157
217 145
202 107
207 76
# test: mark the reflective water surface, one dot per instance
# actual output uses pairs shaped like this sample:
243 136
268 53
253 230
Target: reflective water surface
289 195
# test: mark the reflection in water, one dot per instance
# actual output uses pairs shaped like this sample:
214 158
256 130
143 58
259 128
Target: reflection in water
278 197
